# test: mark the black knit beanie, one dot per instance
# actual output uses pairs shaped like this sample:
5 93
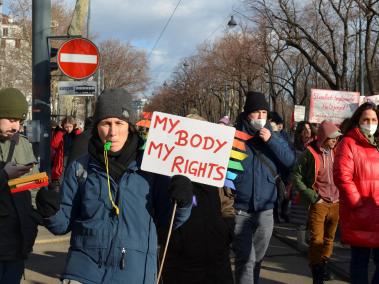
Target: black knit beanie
275 117
255 101
112 103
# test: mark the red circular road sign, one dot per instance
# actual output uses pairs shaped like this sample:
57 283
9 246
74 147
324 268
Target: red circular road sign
78 58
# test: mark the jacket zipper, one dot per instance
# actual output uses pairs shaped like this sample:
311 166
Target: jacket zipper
329 179
100 259
122 262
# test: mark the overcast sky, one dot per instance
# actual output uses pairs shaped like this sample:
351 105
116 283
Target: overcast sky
141 21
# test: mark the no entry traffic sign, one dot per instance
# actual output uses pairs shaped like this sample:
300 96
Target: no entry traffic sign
78 58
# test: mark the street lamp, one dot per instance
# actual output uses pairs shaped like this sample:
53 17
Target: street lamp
232 23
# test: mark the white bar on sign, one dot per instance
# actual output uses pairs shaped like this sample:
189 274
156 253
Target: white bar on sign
78 58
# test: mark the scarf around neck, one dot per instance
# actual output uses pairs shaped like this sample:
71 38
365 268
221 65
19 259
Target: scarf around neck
118 161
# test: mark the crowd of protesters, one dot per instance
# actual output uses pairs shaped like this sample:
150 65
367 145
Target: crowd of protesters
118 214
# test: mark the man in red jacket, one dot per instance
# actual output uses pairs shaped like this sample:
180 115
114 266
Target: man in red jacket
313 177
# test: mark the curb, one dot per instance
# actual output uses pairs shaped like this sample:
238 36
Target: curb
52 240
341 273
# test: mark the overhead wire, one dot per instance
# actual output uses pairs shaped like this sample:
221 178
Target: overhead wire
158 68
164 29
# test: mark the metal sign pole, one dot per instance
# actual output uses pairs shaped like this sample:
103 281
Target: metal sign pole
41 21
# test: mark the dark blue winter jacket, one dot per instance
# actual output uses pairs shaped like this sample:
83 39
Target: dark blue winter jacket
255 186
105 248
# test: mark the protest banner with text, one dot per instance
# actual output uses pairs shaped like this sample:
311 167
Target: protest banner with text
373 99
197 149
332 105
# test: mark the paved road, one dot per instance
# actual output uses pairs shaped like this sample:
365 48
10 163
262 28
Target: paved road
282 264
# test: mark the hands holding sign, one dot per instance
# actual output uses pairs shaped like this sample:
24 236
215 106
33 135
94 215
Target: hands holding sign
180 190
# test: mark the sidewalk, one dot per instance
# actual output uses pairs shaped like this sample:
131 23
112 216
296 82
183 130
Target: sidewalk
340 260
45 237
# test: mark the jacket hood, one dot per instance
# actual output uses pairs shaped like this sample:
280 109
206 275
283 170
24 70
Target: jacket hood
358 136
327 129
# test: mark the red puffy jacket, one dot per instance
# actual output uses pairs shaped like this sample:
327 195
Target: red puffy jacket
356 174
57 149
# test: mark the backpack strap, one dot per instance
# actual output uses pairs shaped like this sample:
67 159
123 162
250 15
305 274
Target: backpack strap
11 151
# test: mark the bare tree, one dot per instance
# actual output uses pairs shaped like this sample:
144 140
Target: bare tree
124 66
215 79
320 30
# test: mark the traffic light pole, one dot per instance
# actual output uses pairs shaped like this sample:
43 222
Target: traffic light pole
41 29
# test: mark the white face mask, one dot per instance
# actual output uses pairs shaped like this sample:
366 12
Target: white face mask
369 128
258 124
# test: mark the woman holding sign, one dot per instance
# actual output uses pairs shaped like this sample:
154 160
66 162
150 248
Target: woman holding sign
110 206
356 175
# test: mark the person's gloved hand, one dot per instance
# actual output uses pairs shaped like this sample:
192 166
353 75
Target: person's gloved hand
180 190
14 170
47 202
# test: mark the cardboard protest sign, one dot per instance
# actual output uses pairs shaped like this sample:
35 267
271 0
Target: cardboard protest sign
299 113
197 149
373 99
332 105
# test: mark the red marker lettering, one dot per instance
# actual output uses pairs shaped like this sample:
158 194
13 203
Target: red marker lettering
177 162
210 146
193 144
155 147
182 138
211 165
173 125
220 145
202 169
219 172
192 168
168 151
163 121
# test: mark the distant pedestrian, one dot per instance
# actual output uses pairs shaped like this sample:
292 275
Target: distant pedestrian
281 209
225 120
304 134
80 144
313 178
61 144
356 174
277 125
256 189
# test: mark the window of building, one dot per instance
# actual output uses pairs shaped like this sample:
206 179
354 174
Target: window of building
5 31
18 43
3 43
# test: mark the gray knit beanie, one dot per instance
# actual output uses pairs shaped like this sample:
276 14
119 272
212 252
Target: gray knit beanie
112 103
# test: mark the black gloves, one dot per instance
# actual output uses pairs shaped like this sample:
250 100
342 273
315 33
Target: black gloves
180 190
47 202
